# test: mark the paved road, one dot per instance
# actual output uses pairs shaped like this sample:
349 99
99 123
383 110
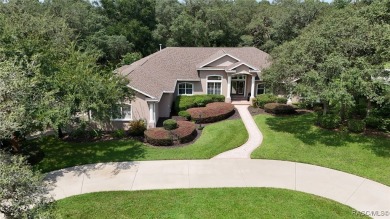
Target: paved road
357 192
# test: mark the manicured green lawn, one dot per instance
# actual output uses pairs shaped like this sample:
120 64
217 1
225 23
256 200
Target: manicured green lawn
295 138
216 138
203 203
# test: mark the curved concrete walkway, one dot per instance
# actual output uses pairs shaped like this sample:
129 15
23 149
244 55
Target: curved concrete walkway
354 191
254 140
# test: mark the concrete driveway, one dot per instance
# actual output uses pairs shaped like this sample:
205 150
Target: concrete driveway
356 192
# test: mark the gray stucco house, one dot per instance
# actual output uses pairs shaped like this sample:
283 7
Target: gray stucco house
160 77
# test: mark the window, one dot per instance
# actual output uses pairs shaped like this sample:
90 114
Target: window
123 113
185 88
214 85
260 89
239 77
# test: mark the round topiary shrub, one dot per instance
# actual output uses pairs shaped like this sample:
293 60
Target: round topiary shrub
185 132
281 100
357 126
329 121
158 137
278 108
185 114
170 124
213 112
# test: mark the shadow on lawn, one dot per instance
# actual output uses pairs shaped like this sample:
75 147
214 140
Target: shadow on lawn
61 154
302 127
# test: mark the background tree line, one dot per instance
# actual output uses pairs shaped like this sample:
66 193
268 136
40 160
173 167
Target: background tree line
57 56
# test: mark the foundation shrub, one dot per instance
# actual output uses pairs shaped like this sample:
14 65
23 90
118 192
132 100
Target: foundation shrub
170 124
278 108
186 102
158 137
119 133
137 127
185 115
282 100
213 112
185 132
263 99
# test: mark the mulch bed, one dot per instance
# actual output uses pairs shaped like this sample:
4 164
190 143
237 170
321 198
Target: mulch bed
373 132
256 111
235 115
105 137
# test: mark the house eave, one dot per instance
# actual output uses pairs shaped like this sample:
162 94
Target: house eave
249 66
141 92
210 69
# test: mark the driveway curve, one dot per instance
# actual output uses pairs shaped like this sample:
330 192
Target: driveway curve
357 192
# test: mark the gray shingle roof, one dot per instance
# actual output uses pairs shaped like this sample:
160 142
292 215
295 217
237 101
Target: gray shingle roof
158 73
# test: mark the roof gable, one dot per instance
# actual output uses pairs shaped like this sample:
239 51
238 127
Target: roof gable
220 58
223 61
239 64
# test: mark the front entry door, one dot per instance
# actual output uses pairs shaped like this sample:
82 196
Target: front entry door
238 87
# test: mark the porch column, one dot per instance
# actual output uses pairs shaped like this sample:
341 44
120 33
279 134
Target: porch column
253 87
152 122
229 88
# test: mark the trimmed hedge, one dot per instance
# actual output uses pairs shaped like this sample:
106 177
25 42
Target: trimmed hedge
213 112
186 131
357 126
185 114
170 124
263 99
278 108
158 137
185 102
329 121
282 100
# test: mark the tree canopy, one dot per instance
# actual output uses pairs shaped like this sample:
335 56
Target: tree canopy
338 58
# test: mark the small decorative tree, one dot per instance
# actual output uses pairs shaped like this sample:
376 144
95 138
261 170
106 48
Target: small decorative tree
23 192
200 124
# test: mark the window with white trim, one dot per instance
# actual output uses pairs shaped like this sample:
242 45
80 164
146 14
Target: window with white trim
260 89
185 88
123 113
214 84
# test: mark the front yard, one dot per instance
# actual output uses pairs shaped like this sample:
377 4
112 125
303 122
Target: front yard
295 138
216 138
203 203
